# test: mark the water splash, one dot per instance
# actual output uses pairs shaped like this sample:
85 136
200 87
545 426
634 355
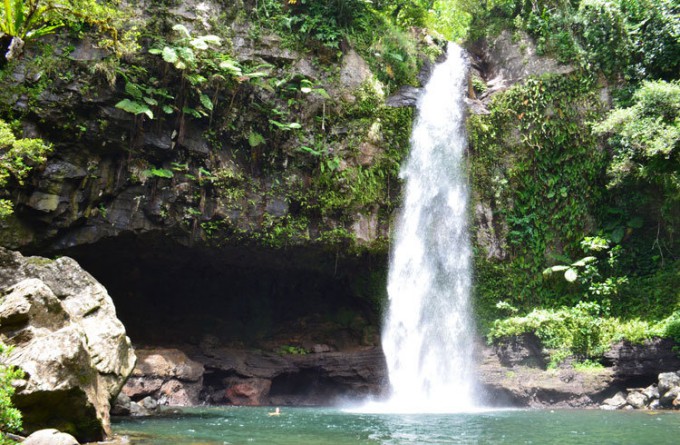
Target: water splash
428 337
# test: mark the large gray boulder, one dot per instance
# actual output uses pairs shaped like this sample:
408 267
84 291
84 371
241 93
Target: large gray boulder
68 341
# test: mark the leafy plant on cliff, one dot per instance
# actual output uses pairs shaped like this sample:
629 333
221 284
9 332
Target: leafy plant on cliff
645 138
17 159
23 20
10 417
532 159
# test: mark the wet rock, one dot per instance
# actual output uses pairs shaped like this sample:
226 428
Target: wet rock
149 403
50 437
668 397
523 350
533 387
365 227
489 231
317 349
406 96
647 359
618 401
354 70
121 406
651 392
637 400
667 381
67 339
508 60
277 207
86 50
476 106
44 202
167 374
252 391
137 410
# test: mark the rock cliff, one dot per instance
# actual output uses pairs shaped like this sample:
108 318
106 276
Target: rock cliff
273 205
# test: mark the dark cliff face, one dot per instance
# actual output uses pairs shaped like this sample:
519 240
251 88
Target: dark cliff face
269 206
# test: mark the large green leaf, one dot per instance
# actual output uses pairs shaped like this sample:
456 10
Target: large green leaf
255 139
134 107
182 30
206 102
170 55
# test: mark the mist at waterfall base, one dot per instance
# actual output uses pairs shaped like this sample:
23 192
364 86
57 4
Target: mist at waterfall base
428 337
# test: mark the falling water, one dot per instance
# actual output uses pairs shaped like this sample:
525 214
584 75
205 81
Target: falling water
428 336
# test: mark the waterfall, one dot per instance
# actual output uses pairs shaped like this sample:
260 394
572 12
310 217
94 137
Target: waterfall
428 337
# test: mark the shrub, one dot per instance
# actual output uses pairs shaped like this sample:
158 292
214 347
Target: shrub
10 417
17 158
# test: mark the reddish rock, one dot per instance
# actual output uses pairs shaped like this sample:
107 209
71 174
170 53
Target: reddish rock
178 393
141 386
167 375
249 392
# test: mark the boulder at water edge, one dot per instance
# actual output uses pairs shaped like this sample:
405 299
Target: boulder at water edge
50 437
67 339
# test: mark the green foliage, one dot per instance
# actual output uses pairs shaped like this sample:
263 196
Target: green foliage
255 139
583 331
158 172
576 330
371 29
17 159
605 35
636 38
135 107
32 19
645 138
588 365
10 417
23 19
532 160
292 350
324 21
202 67
142 98
672 327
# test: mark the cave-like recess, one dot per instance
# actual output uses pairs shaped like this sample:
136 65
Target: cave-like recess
167 293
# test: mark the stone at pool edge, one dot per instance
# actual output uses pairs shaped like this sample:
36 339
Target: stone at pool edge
50 436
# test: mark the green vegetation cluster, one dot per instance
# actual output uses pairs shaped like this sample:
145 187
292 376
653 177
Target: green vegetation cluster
10 417
631 39
17 159
22 21
586 198
276 148
264 145
380 31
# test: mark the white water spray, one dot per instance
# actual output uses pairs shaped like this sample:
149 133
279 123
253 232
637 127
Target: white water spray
428 336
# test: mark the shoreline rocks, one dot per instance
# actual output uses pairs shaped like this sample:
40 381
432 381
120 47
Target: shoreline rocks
662 395
186 376
514 371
